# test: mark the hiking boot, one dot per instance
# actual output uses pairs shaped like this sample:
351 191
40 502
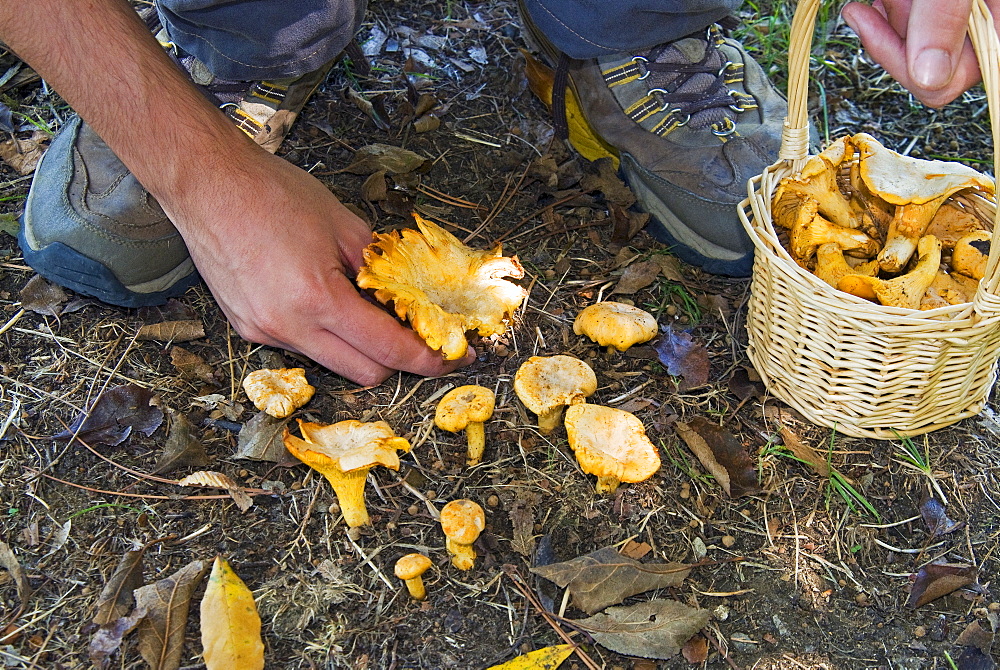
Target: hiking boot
89 225
690 121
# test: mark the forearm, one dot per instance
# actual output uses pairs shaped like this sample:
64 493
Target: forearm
102 60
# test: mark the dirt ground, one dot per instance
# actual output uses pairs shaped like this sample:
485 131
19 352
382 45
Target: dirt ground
819 584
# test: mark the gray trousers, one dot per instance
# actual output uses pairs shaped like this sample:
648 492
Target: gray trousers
274 39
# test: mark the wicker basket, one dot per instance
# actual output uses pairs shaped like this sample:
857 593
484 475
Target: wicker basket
846 363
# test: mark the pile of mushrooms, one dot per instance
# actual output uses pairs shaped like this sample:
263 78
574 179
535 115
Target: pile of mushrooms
892 229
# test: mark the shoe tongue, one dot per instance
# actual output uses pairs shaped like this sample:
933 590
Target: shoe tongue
687 52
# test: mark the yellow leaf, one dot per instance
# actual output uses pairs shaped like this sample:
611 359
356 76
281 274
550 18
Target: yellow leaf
547 658
230 625
581 135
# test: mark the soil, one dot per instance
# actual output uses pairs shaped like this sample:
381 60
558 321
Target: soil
792 575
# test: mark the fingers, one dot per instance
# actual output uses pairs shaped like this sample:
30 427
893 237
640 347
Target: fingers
921 43
935 41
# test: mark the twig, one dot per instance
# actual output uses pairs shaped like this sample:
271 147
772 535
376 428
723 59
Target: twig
150 496
511 572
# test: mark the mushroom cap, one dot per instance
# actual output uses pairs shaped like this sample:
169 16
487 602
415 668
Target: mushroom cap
902 180
411 565
346 446
812 230
615 324
905 290
441 286
953 221
463 405
611 442
546 382
462 520
971 253
278 392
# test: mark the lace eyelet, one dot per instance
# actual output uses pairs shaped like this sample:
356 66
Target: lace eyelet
723 133
636 60
737 105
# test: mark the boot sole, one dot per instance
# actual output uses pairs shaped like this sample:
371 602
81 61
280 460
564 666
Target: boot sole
69 268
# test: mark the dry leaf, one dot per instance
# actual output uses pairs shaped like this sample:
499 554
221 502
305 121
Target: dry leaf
9 562
637 276
721 454
172 331
939 579
584 140
182 449
695 650
191 366
217 480
117 412
606 180
745 383
670 267
42 297
427 123
23 154
230 625
385 158
374 109
655 629
117 597
547 658
683 358
805 453
605 577
375 188
934 515
166 603
260 439
108 639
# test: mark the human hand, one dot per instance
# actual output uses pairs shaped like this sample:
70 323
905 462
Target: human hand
277 249
921 43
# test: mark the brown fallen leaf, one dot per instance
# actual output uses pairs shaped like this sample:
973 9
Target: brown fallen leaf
426 123
637 276
374 108
626 224
9 562
375 188
605 577
113 417
182 449
166 604
522 521
654 629
804 452
695 650
190 365
606 180
107 639
43 297
217 480
670 267
745 383
172 331
23 154
117 598
230 625
935 580
722 454
385 158
260 439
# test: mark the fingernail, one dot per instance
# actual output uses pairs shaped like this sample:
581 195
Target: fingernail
932 69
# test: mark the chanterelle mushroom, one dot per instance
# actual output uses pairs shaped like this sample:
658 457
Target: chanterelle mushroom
812 230
344 452
612 444
462 521
546 384
905 290
410 569
971 253
278 392
831 266
615 325
818 181
466 408
441 286
917 187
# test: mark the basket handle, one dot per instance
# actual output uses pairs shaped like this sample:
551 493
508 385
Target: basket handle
795 133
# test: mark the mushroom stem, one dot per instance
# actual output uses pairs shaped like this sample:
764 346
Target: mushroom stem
475 433
607 484
549 421
350 490
463 556
416 587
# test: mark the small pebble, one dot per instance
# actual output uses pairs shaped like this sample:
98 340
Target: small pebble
413 510
354 533
994 607
841 583
493 501
686 490
919 632
243 473
333 509
721 613
861 599
296 486
728 541
694 523
430 495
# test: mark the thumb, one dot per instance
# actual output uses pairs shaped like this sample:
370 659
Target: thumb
934 41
